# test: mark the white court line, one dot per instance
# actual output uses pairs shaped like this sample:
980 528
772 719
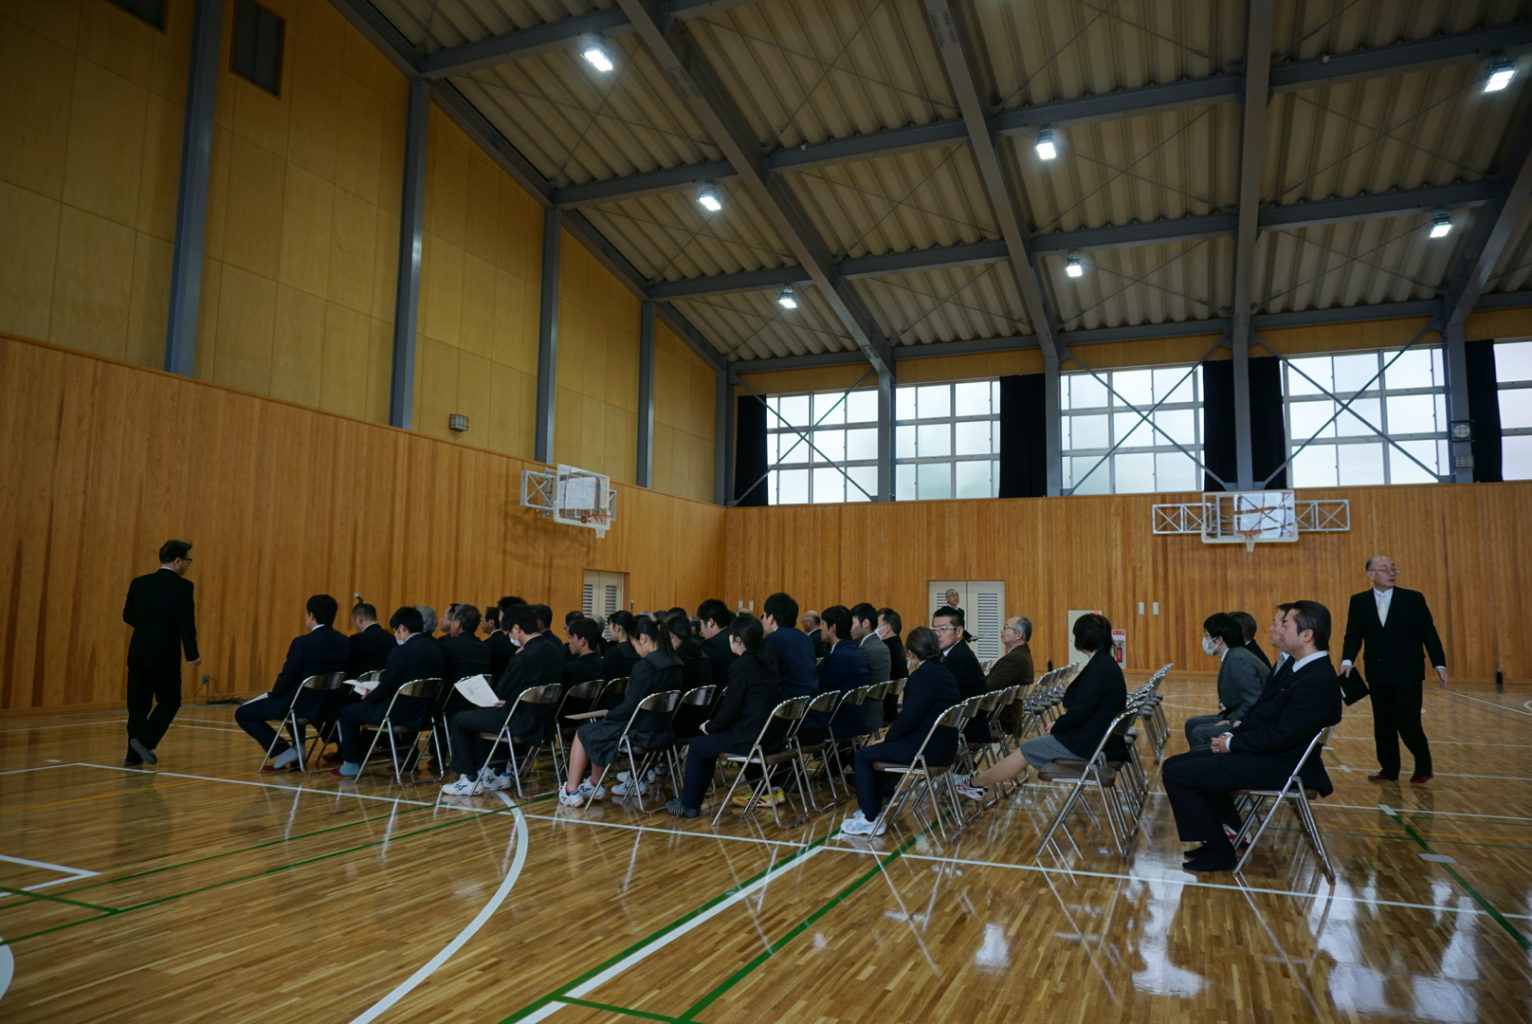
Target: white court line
1448 775
60 868
469 930
1189 883
571 820
1490 703
40 768
650 948
1319 805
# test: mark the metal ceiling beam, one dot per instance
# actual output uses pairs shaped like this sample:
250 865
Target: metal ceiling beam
1303 74
648 183
555 35
698 86
1117 236
1252 160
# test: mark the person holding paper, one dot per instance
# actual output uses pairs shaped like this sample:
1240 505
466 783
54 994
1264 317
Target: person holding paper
415 656
541 661
319 651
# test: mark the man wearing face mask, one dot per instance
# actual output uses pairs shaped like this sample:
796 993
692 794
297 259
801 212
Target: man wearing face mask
1240 679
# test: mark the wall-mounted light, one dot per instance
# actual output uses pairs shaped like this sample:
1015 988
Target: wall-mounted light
1501 71
1441 224
598 55
787 298
1047 144
708 199
457 422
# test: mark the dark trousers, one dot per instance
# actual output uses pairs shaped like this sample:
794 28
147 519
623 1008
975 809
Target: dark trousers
154 697
354 742
873 787
701 754
1201 784
1396 716
252 718
468 749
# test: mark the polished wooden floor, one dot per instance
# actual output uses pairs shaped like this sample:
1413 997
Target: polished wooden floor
205 892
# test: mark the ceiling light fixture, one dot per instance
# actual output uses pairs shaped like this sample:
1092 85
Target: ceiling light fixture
598 55
707 198
1441 224
787 298
1046 145
1074 267
1501 71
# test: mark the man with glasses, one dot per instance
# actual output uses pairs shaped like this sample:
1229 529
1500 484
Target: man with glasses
163 614
959 659
1393 625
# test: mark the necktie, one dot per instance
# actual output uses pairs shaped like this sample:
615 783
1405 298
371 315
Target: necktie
1383 609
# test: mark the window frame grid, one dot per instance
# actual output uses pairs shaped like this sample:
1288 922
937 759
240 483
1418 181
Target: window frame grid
1501 387
950 420
1148 410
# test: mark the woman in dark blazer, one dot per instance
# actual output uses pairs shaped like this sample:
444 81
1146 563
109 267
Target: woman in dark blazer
931 690
595 743
622 655
1097 695
753 691
696 670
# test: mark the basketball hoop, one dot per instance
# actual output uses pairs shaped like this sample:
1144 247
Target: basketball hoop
1250 537
598 521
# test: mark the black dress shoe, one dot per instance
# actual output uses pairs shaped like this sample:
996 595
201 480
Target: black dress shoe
142 750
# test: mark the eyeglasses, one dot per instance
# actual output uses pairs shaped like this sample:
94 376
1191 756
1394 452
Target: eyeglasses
1392 570
943 629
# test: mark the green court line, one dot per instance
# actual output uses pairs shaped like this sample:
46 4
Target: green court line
112 912
1511 930
559 994
53 899
775 947
628 1011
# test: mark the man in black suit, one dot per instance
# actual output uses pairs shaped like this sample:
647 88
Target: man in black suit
716 620
318 651
496 640
371 644
959 658
810 625
163 614
1248 626
582 664
415 656
1393 624
539 661
1260 752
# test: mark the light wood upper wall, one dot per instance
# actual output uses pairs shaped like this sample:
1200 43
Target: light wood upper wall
684 401
105 461
90 145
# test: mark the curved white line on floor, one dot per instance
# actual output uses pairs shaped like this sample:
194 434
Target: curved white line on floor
425 971
7 969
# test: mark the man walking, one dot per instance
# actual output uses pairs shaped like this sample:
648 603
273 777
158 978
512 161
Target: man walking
164 619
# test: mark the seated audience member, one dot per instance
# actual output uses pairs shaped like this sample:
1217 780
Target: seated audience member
843 668
1284 663
582 663
1014 667
570 618
1247 625
750 695
496 641
931 690
959 658
864 630
716 645
462 650
595 744
619 659
1240 679
889 627
415 656
371 644
1262 751
951 605
540 661
1097 695
318 651
428 619
793 649
544 617
810 625
696 670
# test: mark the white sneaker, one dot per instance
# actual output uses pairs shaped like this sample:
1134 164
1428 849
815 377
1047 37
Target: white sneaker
959 779
858 825
464 786
591 793
623 777
575 799
624 788
488 779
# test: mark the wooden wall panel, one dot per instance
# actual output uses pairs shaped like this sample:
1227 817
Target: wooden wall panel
684 390
105 461
1461 545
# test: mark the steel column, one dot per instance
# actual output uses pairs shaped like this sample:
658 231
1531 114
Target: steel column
1251 160
644 475
412 206
886 407
1053 440
191 203
723 437
548 335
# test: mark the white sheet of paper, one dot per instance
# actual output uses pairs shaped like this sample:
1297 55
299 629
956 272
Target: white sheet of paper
362 686
477 690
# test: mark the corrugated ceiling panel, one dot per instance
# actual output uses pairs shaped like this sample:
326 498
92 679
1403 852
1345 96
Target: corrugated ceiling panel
1351 264
439 24
1167 164
1513 271
897 203
1143 284
750 325
667 236
1304 31
576 124
1403 131
945 305
810 70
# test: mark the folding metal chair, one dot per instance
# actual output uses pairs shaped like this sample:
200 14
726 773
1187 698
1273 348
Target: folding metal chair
532 696
920 774
640 759
1094 772
1293 792
422 689
825 703
583 697
294 724
772 749
697 705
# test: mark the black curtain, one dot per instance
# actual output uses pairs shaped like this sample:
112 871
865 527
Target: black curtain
1484 411
1023 428
1268 432
750 451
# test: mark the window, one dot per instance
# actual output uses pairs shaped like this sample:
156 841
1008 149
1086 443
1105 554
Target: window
1405 399
947 440
1097 416
257 48
809 436
1513 373
152 11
